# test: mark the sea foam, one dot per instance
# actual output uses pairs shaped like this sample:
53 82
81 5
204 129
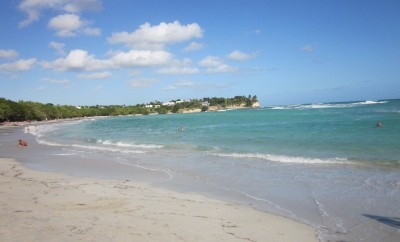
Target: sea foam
285 159
327 105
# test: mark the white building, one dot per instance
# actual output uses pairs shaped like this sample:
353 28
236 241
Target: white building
168 104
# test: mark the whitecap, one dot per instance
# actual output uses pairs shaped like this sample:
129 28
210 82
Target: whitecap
109 149
128 145
285 159
65 154
328 105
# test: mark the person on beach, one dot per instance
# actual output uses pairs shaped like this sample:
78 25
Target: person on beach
22 143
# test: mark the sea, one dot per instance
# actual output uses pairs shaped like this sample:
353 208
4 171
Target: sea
328 165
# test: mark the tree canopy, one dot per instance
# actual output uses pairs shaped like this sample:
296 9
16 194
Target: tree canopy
12 111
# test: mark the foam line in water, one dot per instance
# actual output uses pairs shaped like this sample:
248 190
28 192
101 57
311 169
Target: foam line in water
128 145
65 154
44 142
284 159
111 149
166 171
331 221
285 211
328 105
91 147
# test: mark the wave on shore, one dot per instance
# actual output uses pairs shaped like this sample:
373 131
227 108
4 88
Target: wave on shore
328 105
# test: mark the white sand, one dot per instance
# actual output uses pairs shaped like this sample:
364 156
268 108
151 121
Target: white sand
42 206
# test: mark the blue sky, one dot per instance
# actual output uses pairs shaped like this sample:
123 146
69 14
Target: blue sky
92 52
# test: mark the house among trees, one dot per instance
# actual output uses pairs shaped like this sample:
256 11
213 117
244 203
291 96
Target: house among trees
11 111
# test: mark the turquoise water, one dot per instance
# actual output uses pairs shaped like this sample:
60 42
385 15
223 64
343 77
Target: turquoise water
339 133
327 165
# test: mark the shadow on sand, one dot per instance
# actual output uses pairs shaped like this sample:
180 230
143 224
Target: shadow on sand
394 222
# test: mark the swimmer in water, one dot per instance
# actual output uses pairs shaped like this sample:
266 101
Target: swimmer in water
22 143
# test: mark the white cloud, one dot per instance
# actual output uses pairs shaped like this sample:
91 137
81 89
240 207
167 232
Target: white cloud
66 25
176 70
39 89
156 37
75 6
214 64
180 84
55 81
224 68
81 60
78 60
211 61
92 31
184 84
134 72
193 46
197 86
141 58
179 67
8 53
33 8
17 66
239 56
59 47
307 48
69 25
143 82
96 75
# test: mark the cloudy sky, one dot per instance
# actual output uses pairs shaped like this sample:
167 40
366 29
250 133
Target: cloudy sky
88 52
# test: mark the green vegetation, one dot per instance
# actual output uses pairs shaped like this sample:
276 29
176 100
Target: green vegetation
236 101
11 111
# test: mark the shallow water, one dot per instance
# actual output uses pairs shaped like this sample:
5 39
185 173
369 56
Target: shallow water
326 165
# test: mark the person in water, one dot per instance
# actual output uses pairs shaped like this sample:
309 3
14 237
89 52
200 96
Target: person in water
22 143
379 124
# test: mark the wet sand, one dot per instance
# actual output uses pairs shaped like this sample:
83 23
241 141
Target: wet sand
45 206
49 206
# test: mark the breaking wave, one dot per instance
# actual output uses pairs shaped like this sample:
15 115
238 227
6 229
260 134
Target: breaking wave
285 159
128 145
328 105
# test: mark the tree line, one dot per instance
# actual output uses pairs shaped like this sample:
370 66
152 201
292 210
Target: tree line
11 111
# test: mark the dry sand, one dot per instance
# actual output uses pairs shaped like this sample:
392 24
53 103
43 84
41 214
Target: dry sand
43 206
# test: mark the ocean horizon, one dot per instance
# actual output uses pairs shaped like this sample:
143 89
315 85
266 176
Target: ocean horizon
328 165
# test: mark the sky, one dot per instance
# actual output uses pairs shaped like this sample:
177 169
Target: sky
128 52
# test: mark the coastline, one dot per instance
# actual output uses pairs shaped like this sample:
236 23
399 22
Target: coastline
41 205
10 124
5 125
38 205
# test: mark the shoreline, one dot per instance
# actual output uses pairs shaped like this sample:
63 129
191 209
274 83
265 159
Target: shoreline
38 205
7 124
341 201
44 122
47 205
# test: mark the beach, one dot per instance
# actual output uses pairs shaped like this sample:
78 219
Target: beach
317 166
45 206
